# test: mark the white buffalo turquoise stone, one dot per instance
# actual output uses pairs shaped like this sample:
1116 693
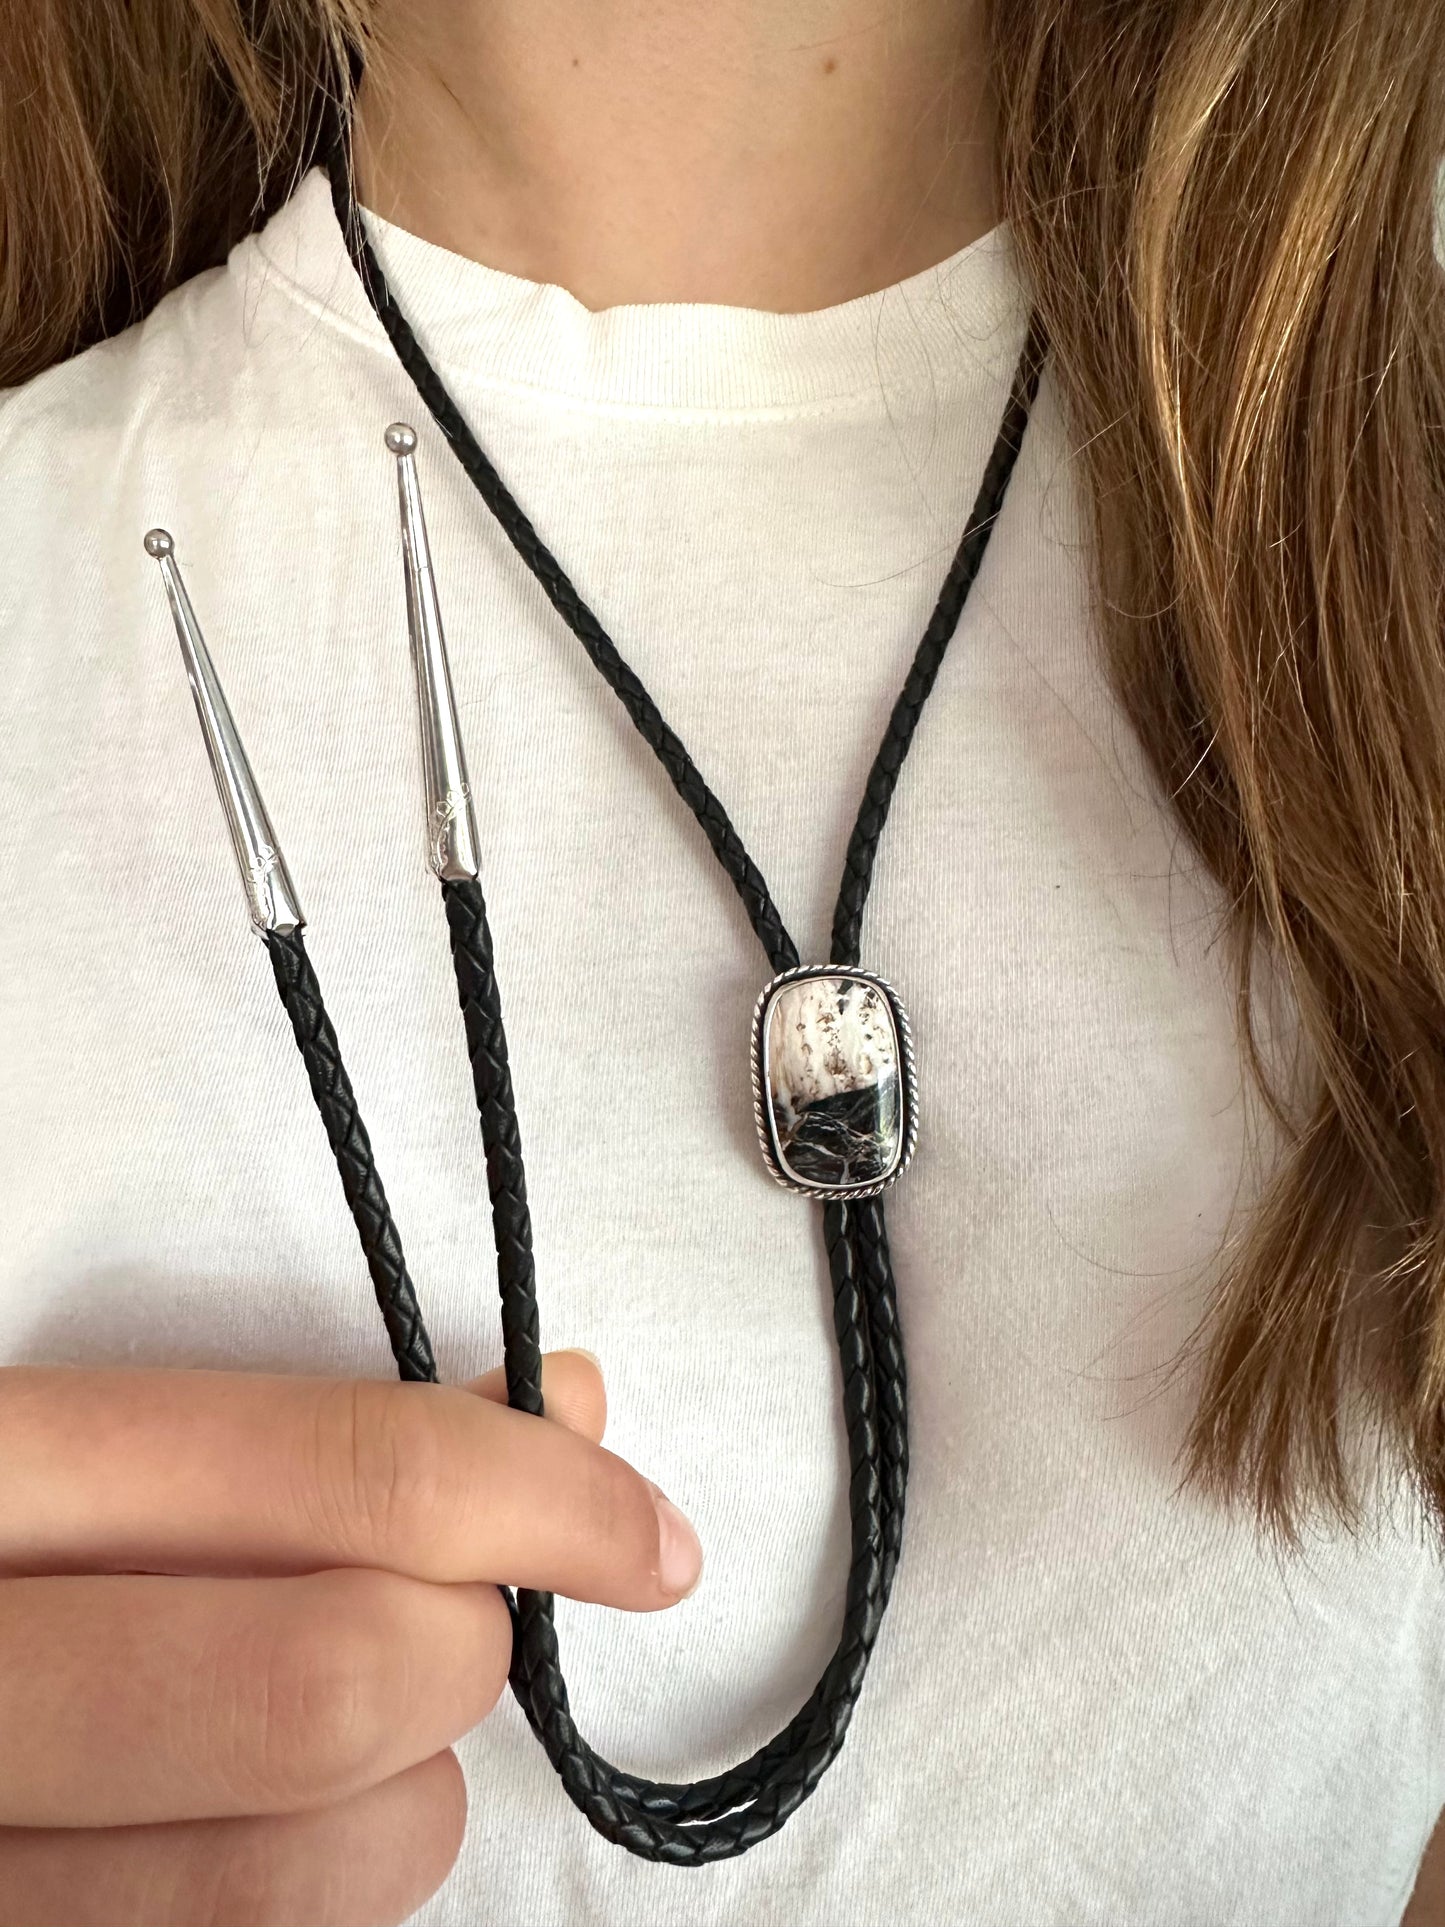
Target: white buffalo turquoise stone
831 1073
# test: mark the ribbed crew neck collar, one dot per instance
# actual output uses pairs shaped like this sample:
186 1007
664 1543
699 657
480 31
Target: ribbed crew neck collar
960 320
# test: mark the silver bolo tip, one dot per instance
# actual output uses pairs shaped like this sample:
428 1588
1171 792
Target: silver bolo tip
270 894
451 829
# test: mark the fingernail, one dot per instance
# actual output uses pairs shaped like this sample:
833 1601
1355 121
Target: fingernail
580 1351
679 1553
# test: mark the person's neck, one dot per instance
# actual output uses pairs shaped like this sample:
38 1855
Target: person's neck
784 157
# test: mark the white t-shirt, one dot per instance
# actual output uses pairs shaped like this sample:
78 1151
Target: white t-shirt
1096 1699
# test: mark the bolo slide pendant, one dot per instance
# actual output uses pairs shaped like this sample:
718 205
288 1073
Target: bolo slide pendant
835 1086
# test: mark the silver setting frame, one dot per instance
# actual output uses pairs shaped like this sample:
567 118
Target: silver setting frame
907 1083
271 898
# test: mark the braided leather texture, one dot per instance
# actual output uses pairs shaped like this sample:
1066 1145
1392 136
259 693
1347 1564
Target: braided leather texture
351 1147
684 1824
883 777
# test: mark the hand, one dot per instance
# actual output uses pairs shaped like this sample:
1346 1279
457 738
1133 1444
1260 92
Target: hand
243 1618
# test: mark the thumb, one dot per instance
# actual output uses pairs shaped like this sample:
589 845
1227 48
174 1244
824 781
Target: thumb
572 1391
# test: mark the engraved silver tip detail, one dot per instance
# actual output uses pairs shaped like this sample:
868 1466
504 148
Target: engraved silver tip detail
451 829
271 899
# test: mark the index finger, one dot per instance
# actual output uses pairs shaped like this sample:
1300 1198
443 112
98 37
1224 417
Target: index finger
180 1471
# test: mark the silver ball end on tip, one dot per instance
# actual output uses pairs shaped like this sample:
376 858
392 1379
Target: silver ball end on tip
401 438
159 542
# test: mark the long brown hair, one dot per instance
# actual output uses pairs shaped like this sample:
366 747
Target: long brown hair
1225 209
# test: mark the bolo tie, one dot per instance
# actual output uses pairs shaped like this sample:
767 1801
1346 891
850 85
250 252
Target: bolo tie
833 1077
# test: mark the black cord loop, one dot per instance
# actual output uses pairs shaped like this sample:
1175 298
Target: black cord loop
725 1815
691 1824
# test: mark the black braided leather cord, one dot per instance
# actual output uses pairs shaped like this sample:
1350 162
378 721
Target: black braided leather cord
351 1147
501 1140
688 1825
725 1815
883 777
